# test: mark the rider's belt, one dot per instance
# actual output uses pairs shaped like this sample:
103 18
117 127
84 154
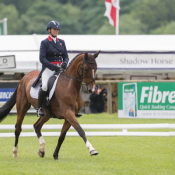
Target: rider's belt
56 62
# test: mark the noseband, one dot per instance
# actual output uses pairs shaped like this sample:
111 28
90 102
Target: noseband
82 75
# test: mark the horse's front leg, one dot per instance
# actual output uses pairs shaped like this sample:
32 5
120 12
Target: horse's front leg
70 116
37 126
64 130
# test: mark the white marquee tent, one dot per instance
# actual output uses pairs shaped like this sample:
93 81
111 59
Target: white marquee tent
122 54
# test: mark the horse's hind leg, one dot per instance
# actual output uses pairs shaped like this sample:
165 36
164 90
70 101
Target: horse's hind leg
64 130
70 116
37 126
22 107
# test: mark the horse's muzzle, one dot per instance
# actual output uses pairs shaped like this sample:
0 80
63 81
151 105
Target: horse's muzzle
90 88
90 91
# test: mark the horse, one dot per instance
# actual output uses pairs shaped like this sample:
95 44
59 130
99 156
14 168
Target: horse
66 101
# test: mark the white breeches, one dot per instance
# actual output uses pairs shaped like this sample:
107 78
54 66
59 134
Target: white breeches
47 73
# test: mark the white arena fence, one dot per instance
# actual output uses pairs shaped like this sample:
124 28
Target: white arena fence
123 127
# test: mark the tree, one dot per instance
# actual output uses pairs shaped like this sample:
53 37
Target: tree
11 13
127 6
154 13
131 26
106 29
87 17
92 16
21 5
67 15
165 29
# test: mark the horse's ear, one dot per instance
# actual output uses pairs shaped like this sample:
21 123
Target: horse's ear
96 54
86 55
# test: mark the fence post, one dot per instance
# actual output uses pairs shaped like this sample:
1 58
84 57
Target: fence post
109 99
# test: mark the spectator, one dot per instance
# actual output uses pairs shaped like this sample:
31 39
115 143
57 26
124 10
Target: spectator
98 99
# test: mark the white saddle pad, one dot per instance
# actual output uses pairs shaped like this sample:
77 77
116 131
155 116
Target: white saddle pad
34 91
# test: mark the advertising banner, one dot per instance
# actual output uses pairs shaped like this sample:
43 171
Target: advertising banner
146 100
5 95
131 60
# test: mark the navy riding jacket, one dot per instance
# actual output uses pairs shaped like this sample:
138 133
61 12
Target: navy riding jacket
51 52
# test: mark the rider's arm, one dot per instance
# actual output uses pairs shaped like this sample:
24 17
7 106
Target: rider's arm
65 55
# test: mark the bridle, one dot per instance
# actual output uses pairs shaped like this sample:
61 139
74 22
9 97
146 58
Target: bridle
82 75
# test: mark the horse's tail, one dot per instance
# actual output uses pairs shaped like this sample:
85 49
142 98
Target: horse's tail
6 108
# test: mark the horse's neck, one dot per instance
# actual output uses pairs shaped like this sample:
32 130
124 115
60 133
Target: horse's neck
72 71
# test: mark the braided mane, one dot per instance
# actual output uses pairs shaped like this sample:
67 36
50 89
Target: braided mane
74 59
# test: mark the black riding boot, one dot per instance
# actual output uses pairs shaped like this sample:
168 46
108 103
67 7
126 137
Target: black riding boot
41 99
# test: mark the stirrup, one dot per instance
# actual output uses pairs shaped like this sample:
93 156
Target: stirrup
79 115
40 112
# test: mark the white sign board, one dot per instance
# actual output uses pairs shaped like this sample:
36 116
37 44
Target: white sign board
137 60
7 61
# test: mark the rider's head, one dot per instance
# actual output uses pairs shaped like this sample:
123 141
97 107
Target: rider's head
53 28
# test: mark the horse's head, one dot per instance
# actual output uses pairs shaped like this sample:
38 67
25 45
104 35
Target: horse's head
88 70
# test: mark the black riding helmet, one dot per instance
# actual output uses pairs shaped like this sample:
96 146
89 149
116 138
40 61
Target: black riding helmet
53 25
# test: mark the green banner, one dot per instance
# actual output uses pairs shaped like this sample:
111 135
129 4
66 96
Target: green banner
147 99
1 28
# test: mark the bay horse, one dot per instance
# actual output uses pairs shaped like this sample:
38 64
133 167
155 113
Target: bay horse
66 101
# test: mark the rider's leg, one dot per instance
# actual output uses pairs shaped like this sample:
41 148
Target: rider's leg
42 93
41 98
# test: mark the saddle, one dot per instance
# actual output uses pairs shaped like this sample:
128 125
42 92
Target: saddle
50 88
50 84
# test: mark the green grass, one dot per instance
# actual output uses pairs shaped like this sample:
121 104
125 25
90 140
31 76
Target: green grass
117 155
102 118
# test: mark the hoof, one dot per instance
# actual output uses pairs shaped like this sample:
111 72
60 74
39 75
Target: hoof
93 152
15 152
55 157
15 156
41 154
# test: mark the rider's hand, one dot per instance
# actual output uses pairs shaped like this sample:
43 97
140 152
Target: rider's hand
99 91
63 66
57 69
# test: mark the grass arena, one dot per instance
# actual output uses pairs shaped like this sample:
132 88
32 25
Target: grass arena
117 154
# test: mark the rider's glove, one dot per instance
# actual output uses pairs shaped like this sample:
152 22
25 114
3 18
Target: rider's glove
57 69
63 66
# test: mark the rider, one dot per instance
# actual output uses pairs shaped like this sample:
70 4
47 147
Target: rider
53 52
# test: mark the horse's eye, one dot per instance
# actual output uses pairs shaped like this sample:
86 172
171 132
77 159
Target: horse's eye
86 69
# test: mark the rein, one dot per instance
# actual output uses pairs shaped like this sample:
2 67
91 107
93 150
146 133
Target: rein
72 77
81 76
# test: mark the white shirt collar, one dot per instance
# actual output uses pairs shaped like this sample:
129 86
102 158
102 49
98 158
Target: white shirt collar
55 39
